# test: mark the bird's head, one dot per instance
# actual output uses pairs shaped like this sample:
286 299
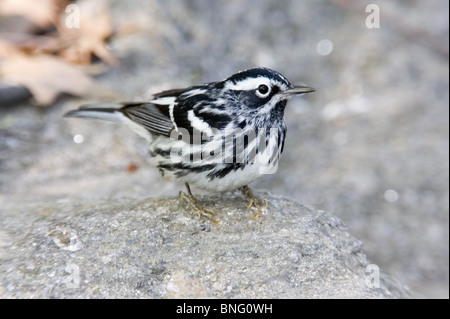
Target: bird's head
261 90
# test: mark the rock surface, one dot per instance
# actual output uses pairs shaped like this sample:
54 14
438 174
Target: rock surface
154 248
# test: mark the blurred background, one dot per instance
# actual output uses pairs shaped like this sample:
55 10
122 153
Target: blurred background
370 146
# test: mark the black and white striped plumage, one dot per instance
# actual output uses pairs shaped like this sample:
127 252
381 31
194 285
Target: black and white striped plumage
247 103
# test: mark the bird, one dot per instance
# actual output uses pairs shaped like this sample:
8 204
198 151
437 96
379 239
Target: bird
218 136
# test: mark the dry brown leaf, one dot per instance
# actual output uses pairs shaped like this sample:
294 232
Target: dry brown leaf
74 44
49 64
7 49
45 76
41 12
90 38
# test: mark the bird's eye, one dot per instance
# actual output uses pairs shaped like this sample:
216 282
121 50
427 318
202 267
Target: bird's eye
263 89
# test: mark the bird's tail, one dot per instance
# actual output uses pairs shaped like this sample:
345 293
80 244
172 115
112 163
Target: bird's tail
110 114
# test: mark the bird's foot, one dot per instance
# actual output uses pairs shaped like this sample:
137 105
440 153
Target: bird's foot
201 211
253 201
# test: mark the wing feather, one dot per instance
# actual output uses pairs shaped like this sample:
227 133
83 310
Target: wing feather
150 117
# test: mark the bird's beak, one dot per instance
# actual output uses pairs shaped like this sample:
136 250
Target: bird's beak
299 90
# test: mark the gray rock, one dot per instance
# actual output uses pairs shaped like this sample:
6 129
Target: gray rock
155 248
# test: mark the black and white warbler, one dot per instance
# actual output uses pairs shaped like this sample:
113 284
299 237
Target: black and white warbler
218 136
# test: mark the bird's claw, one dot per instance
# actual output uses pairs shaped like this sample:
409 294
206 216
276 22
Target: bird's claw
254 201
201 211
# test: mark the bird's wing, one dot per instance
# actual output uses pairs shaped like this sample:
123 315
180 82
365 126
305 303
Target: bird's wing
167 111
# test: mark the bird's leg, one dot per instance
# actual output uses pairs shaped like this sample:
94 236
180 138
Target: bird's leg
195 204
253 200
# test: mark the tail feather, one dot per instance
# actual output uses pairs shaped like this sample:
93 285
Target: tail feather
109 114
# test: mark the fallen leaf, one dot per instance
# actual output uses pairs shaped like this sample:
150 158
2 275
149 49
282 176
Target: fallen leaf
58 58
7 49
43 13
132 167
90 38
45 76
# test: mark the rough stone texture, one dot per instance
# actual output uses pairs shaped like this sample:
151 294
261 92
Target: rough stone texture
156 249
370 146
